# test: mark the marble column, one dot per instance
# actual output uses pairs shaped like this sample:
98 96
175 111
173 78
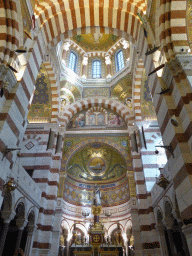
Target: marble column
3 236
187 230
21 224
176 215
29 242
7 216
168 221
108 65
163 243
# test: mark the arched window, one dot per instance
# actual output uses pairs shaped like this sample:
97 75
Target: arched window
119 60
96 69
72 61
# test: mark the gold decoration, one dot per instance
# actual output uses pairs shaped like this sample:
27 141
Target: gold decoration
96 210
10 185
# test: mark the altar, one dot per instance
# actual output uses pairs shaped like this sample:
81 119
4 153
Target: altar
103 250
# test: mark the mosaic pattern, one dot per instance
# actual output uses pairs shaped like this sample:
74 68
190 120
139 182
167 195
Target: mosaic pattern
147 108
152 15
41 104
27 23
95 42
95 92
96 117
109 197
71 144
123 89
96 162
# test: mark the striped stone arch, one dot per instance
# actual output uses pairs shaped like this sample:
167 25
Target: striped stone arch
77 106
87 30
103 140
57 17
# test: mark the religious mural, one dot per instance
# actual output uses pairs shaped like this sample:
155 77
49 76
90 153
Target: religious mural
96 117
96 162
41 106
147 107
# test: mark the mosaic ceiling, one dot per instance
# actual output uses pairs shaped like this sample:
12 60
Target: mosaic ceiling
111 194
96 162
41 105
27 23
123 89
147 107
95 42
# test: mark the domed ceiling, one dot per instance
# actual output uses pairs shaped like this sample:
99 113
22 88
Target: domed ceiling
95 42
96 163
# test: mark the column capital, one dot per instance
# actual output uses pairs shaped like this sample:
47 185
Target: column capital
66 46
8 216
125 44
168 222
177 216
21 223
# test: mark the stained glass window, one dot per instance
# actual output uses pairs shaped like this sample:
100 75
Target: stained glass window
72 61
119 60
96 69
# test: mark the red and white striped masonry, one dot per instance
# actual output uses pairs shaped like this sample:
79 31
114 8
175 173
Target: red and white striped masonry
54 91
137 79
145 211
177 102
172 23
47 177
57 17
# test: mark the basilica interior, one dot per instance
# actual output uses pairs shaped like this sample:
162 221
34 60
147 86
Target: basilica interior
95 128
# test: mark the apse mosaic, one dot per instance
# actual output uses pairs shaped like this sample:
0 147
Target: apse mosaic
96 162
147 107
41 105
110 197
27 23
96 117
120 141
95 41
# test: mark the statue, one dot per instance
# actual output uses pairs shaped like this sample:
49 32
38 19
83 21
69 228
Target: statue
97 196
